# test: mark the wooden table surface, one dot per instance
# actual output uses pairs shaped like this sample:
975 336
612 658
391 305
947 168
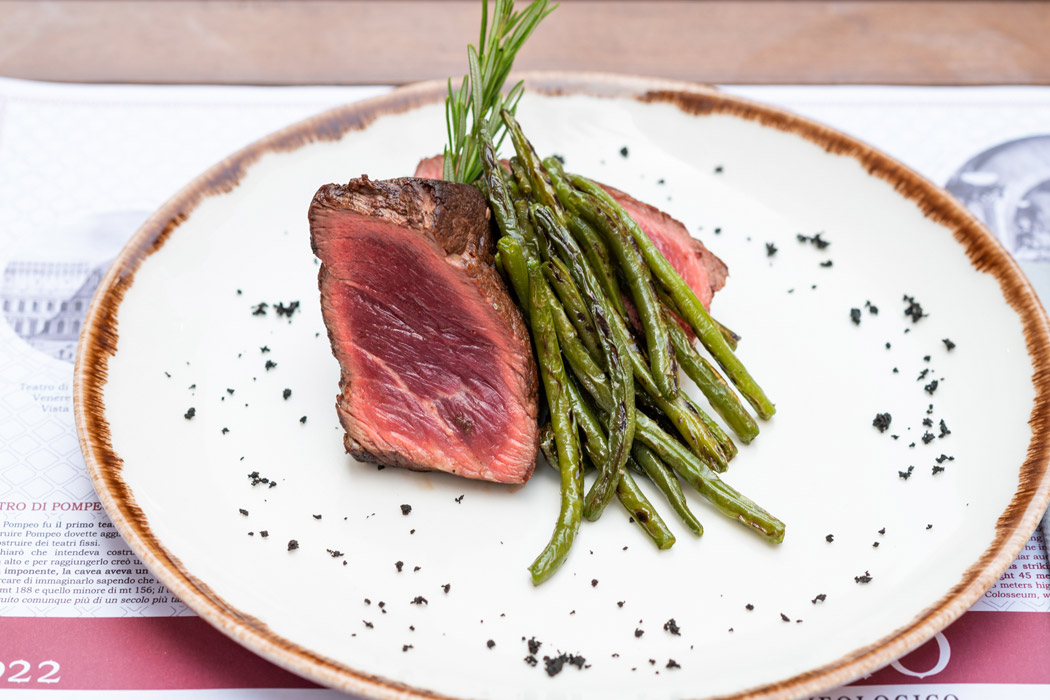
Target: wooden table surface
355 42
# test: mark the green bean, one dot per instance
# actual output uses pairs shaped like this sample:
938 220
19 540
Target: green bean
499 198
566 437
592 245
575 308
692 430
688 306
640 283
711 383
688 422
520 177
731 336
542 190
721 495
621 384
635 502
728 447
631 497
514 263
667 482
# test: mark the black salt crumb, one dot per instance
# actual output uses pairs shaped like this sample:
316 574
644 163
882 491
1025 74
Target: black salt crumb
400 565
931 387
914 309
718 230
826 263
944 429
406 647
490 644
854 315
929 410
293 544
671 663
830 538
334 553
771 250
821 597
416 568
419 600
317 516
882 531
405 509
929 526
594 582
785 618
620 603
907 474
270 364
937 469
928 437
882 421
749 606
887 345
926 358
260 309
531 660
928 422
866 578
624 151
638 631
948 344
446 587
895 370
875 544
534 645
264 533
922 374
288 310
368 624
872 309
303 420
225 430
459 499
286 394
672 627
912 444
718 168
264 349
190 413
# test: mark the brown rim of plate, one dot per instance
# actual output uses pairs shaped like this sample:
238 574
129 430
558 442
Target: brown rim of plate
99 341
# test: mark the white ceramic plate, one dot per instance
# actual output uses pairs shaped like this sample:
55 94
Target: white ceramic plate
173 327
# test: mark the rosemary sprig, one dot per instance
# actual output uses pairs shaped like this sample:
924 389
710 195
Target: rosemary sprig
472 113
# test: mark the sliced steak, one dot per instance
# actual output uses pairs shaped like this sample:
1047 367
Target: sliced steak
437 369
701 269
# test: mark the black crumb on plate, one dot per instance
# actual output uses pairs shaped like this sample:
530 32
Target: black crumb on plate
882 421
672 627
293 545
821 597
771 250
865 578
405 509
190 413
854 315
624 152
948 344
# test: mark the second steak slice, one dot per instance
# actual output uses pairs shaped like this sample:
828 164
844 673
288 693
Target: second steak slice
436 367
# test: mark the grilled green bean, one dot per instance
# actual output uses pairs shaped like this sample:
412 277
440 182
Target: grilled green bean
688 306
721 495
631 497
644 458
621 384
566 436
592 245
711 383
561 281
688 424
642 288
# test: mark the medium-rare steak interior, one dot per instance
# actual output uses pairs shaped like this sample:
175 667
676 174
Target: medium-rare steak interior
436 366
